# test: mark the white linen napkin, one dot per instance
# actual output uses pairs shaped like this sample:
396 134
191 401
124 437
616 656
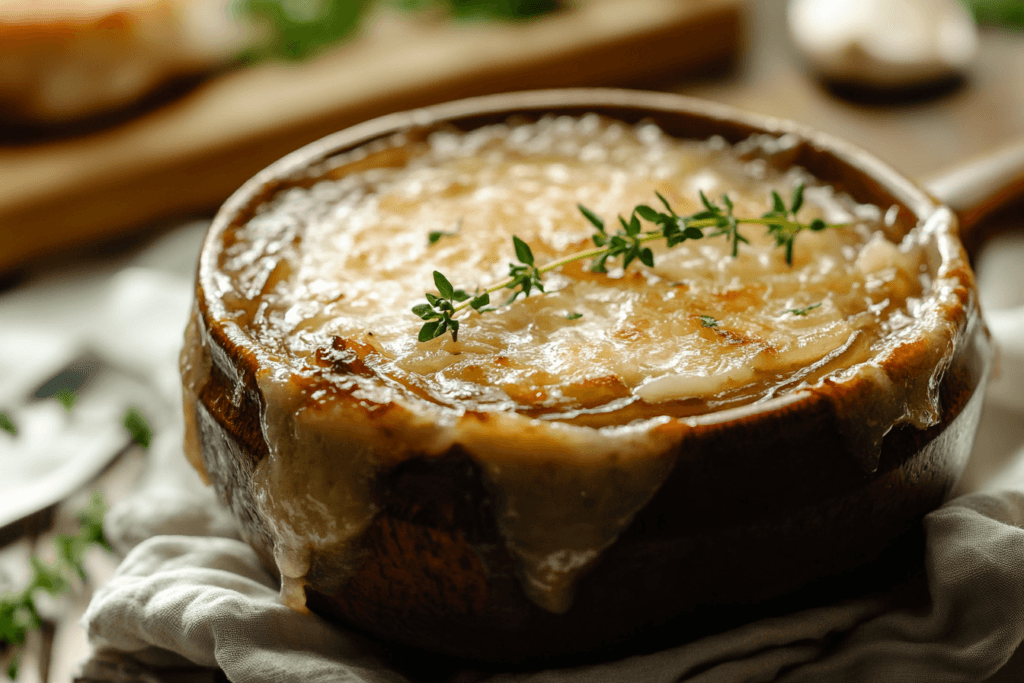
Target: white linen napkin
189 591
208 600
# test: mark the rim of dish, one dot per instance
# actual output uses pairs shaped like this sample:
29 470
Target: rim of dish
923 207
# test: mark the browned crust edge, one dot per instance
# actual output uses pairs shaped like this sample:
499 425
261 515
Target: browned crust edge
742 460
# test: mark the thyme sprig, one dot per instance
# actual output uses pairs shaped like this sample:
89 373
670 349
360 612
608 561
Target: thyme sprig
137 427
716 219
19 614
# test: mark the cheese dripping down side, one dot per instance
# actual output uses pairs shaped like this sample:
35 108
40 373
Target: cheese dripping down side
323 277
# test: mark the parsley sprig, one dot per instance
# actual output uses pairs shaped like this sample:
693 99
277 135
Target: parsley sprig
628 244
19 614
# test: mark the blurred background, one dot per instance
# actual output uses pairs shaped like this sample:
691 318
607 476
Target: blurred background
125 123
119 115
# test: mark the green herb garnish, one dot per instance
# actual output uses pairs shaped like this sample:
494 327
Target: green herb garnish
297 29
18 612
1007 12
67 398
627 244
438 310
803 311
138 427
708 321
573 316
435 235
7 424
787 227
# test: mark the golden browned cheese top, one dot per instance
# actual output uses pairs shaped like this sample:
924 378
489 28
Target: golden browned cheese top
326 274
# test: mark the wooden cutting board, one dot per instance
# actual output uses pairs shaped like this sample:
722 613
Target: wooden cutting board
187 156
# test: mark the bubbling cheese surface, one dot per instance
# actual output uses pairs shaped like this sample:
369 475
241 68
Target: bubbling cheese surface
327 272
572 403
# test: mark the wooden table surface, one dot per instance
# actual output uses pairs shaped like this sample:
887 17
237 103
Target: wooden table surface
917 137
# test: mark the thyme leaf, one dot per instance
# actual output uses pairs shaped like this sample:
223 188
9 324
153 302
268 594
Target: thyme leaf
138 427
438 310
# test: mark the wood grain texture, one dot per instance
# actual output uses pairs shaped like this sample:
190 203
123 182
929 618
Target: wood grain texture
189 155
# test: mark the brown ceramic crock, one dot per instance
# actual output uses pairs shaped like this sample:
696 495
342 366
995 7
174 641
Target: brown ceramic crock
759 502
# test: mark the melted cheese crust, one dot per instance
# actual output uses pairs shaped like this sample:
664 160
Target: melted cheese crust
326 275
319 283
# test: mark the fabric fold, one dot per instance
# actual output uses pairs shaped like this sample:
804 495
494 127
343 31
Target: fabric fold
208 600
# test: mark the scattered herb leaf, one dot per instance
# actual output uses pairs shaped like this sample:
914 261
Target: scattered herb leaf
499 9
297 29
627 244
1006 12
7 424
434 236
67 398
708 321
18 612
573 316
138 427
438 310
803 311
